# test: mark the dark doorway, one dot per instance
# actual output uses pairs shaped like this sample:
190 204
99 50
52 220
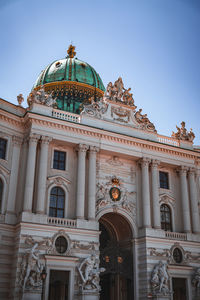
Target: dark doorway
179 288
59 285
116 257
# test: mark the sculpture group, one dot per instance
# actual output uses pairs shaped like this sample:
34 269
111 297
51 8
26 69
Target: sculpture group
183 134
160 279
89 272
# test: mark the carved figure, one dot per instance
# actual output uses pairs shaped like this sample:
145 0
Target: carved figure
117 92
183 134
41 97
160 278
31 268
196 279
109 90
142 119
20 99
89 271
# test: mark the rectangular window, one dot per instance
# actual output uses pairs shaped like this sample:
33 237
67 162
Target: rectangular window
3 144
164 180
59 160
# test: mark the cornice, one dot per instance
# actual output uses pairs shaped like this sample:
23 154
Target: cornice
12 119
98 133
112 136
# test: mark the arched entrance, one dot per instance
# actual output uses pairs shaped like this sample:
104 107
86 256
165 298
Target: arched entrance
116 256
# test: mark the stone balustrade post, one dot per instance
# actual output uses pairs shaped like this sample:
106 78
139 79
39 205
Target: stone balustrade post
145 193
92 183
42 174
155 194
80 203
193 201
185 199
30 172
16 141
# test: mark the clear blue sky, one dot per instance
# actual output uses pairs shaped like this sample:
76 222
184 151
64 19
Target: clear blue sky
153 44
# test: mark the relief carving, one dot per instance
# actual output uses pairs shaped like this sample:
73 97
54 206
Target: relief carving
120 114
95 109
144 121
41 97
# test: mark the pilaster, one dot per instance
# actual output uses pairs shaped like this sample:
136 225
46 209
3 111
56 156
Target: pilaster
155 193
145 192
92 182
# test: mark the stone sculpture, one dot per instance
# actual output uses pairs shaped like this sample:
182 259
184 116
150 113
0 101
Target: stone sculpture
196 279
116 92
183 134
142 119
160 279
31 268
20 99
89 272
41 97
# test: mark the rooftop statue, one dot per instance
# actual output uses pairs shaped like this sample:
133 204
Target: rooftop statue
20 99
41 97
117 92
142 119
183 134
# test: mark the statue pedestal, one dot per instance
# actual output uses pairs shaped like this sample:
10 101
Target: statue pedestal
89 295
30 295
161 297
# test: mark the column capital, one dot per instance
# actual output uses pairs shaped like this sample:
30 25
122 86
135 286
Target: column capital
45 139
82 148
155 163
182 170
94 149
144 161
192 171
17 140
33 138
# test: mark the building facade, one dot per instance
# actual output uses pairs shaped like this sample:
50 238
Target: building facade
94 203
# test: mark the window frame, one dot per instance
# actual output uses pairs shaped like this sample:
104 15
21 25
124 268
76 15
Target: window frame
6 148
52 160
171 222
57 208
168 180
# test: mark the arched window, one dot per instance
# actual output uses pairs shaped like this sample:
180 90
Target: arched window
165 215
57 203
1 195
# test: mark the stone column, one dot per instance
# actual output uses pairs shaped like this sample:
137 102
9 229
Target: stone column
185 199
145 193
193 201
80 203
42 174
30 172
17 141
155 193
92 183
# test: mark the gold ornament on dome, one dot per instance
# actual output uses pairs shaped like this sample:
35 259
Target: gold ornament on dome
71 51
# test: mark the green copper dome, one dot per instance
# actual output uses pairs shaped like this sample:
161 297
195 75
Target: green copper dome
71 81
70 69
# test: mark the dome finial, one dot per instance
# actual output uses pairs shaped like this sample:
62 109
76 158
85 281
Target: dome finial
71 51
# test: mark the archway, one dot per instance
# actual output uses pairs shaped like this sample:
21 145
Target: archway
116 256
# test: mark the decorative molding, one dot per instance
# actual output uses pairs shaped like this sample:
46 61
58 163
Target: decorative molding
58 180
167 199
114 161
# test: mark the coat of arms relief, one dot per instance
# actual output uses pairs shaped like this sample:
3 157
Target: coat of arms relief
113 194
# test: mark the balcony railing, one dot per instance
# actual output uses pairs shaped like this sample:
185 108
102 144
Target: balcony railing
65 115
176 235
168 140
62 222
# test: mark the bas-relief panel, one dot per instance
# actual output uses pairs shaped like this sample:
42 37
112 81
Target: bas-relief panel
116 184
